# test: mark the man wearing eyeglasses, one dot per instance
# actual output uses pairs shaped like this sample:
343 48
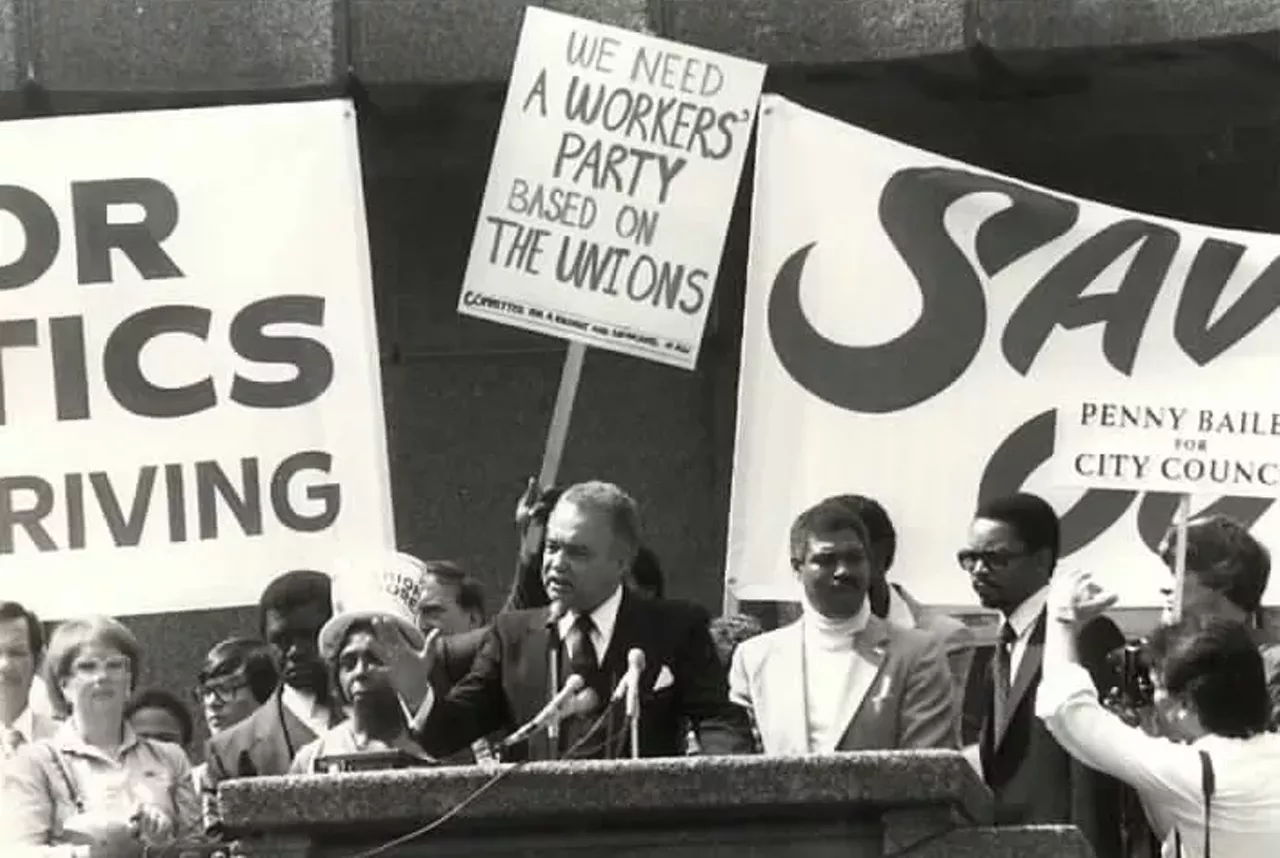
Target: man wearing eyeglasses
238 676
1011 552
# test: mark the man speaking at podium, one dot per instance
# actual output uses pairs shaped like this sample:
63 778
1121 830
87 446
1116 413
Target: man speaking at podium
593 630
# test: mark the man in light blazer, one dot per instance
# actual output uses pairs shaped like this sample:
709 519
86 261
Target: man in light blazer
892 602
841 678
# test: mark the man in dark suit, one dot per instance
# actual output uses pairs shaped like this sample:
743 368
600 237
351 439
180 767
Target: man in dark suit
1012 550
591 541
291 612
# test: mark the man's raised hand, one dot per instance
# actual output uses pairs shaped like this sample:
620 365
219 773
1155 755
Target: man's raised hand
410 668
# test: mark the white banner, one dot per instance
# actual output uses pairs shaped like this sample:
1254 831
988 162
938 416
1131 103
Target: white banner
191 399
611 188
912 323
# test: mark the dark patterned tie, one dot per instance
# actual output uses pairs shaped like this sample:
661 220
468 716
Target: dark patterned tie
1001 668
584 661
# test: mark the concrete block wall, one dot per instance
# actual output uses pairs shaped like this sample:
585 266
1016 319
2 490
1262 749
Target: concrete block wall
193 46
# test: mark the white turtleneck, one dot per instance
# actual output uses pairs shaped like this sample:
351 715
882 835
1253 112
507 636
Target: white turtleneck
831 667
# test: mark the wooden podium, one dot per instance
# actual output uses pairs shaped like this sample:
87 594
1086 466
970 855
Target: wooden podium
922 804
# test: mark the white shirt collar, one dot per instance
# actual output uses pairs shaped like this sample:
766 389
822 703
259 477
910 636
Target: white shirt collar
306 708
24 725
605 617
1025 615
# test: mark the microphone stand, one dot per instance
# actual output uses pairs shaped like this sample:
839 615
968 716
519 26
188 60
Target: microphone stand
553 671
635 734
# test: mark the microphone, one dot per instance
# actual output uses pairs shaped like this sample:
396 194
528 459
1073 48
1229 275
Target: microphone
630 684
555 613
551 713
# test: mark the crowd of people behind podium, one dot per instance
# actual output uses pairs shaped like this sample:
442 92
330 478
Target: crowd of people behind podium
394 662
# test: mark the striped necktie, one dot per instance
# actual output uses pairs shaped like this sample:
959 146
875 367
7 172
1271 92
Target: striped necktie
1000 674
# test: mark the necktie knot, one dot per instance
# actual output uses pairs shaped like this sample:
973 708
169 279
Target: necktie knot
584 623
1007 635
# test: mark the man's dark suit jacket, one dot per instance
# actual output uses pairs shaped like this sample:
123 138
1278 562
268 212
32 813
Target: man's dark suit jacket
509 683
261 745
454 655
1034 781
453 658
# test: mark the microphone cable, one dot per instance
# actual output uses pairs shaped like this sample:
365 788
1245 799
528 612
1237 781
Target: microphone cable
475 794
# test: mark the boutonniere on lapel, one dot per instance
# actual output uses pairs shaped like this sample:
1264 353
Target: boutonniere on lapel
882 691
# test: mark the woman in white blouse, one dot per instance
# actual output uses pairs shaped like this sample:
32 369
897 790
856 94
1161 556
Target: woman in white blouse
96 789
1221 767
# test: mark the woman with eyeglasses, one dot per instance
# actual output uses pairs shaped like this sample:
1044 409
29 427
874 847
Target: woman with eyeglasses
96 789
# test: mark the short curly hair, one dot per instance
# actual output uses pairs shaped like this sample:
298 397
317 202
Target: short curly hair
1226 558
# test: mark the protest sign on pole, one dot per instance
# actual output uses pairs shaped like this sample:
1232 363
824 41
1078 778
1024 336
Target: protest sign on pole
913 325
191 399
609 196
1180 439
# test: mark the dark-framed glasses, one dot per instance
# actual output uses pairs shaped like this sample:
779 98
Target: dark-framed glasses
997 559
218 692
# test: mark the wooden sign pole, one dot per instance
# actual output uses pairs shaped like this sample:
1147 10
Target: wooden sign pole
730 605
560 416
1180 554
552 454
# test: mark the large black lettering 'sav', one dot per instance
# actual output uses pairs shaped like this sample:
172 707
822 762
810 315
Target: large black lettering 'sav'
946 337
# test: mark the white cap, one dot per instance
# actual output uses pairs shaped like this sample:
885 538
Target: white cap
385 585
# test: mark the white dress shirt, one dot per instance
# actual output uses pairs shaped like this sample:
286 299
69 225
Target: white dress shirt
1167 775
307 709
605 617
1022 621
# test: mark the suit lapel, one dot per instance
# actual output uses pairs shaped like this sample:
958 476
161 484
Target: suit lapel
780 694
282 732
918 612
628 630
869 648
535 680
1028 670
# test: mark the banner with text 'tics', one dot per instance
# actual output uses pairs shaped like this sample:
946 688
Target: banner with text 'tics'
191 401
